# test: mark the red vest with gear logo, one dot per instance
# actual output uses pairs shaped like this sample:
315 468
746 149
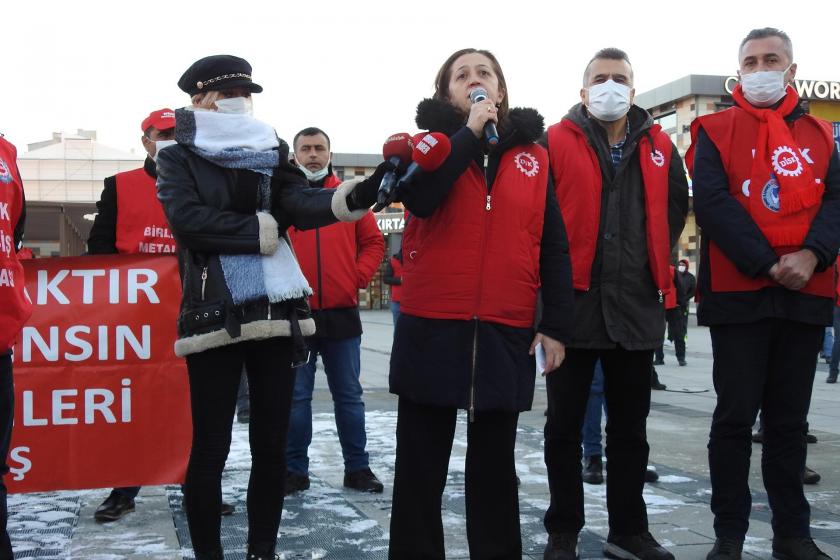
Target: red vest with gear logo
141 223
478 255
733 132
15 307
577 182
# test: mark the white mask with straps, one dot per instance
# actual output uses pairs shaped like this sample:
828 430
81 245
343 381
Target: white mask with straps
609 101
764 88
314 176
161 144
235 106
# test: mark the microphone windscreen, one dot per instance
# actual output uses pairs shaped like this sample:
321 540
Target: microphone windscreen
431 151
398 145
478 94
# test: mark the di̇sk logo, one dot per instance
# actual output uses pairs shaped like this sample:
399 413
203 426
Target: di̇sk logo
5 172
770 195
657 158
527 164
786 162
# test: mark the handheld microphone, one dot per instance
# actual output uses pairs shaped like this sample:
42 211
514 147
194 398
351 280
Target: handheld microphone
490 133
397 150
430 151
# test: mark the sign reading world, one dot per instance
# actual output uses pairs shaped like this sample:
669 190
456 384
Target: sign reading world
807 89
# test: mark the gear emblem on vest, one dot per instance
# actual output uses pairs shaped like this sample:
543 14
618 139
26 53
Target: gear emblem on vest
527 164
770 195
5 173
786 162
658 158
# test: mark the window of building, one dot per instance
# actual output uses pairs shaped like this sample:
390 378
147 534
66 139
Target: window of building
667 122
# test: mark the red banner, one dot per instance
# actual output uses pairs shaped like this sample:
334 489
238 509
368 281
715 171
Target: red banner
101 400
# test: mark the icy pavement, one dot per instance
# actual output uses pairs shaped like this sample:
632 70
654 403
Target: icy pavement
330 522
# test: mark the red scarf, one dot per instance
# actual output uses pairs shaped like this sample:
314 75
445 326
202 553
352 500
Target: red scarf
778 158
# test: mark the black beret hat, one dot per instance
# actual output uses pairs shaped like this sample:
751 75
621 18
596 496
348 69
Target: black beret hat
220 71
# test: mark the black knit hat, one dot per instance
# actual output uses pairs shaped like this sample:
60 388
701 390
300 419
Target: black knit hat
220 71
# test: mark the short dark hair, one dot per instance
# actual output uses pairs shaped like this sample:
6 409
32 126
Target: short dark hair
764 33
445 72
609 53
309 131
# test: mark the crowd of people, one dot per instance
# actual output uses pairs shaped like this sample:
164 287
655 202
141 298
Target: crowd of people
525 241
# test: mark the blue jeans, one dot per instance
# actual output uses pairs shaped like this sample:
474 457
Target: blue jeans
592 421
828 342
835 351
341 359
395 311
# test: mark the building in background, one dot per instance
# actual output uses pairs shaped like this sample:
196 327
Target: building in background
674 105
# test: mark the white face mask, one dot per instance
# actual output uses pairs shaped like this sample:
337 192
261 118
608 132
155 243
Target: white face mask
236 105
681 268
609 101
764 88
161 144
314 176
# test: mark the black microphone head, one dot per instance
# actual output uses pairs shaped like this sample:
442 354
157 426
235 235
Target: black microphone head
478 94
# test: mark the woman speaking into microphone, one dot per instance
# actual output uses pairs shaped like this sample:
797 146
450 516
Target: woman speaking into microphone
485 235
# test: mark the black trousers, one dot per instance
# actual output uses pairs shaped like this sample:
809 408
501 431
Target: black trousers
768 364
424 443
7 408
214 383
627 393
676 321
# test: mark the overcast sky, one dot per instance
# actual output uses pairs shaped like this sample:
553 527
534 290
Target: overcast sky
358 69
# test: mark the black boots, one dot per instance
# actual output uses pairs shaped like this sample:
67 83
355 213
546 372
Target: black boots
593 470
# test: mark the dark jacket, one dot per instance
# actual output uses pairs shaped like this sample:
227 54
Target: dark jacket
103 234
212 211
686 287
338 261
441 362
621 307
723 219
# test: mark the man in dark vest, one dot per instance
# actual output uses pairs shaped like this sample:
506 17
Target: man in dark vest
623 194
767 196
337 260
130 220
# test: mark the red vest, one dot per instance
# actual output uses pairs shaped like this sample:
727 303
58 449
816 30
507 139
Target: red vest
338 259
396 289
141 223
577 181
15 307
478 255
733 132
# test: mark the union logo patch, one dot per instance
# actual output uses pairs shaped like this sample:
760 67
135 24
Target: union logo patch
657 158
770 195
527 164
786 162
5 172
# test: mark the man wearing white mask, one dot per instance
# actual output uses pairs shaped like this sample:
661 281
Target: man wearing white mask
623 194
337 260
130 220
767 196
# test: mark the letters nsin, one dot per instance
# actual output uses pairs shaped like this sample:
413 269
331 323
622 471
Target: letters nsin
80 342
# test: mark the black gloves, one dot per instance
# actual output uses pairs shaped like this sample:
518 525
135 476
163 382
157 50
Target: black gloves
364 194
